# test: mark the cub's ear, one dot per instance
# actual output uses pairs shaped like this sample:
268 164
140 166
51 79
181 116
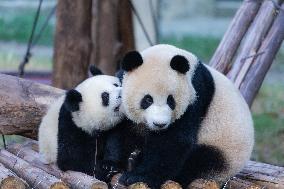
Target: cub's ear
131 60
72 100
95 71
180 64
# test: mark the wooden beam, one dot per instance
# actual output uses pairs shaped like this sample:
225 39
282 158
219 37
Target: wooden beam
9 180
22 104
254 37
28 152
259 67
36 177
262 174
230 42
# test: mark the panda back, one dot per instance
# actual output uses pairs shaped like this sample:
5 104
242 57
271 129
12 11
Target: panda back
228 124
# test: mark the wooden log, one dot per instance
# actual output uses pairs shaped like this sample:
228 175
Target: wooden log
36 177
264 175
254 77
72 43
9 180
77 180
203 184
236 183
234 34
254 37
22 104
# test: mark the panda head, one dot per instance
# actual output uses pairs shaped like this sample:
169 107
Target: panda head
157 86
95 103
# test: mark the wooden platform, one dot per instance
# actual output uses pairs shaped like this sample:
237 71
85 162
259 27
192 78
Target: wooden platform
20 167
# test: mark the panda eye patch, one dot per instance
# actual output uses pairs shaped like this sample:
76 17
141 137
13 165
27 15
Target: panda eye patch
105 98
116 85
171 102
146 101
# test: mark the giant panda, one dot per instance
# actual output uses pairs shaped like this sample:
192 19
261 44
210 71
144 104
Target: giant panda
193 121
69 131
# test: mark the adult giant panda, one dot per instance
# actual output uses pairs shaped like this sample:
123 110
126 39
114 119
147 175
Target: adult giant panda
194 122
68 132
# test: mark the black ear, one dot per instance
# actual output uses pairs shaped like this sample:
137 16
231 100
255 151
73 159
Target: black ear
72 100
95 71
180 64
131 60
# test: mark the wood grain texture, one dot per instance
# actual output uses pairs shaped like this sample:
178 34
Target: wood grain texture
270 45
34 176
254 37
23 103
230 42
112 33
9 180
72 43
76 180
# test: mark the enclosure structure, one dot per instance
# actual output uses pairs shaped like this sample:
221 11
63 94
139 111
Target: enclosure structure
245 54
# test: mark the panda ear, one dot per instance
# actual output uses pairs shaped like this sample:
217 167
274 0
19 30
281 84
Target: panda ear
131 60
180 64
72 100
95 71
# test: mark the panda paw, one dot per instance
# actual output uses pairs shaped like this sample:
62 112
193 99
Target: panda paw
129 178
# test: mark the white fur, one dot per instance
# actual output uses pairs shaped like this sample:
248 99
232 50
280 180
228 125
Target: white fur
159 115
47 134
91 115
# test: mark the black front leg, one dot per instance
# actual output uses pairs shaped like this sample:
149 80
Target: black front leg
163 158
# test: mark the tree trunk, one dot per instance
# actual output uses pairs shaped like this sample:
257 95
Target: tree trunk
72 44
112 33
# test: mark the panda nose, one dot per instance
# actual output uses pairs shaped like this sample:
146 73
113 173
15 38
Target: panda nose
160 125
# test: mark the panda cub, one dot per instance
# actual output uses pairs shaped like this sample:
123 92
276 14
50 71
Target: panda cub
69 131
188 120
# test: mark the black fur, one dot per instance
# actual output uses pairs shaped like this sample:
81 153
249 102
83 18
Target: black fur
180 64
76 148
131 60
146 101
105 98
95 71
72 100
171 102
173 153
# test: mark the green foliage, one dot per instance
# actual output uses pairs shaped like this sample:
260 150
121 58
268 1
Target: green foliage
269 124
203 46
16 25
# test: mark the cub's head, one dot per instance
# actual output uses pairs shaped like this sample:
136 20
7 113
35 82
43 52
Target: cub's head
95 103
157 86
